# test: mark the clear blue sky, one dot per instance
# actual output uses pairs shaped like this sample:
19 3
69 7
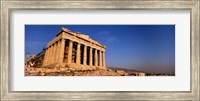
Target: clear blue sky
149 48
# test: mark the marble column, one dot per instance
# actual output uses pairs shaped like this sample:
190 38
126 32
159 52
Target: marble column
53 54
50 55
51 61
104 61
100 58
62 46
55 57
90 56
69 57
78 54
95 58
45 57
47 62
85 55
57 52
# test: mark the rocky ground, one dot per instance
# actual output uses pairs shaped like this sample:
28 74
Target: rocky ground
33 71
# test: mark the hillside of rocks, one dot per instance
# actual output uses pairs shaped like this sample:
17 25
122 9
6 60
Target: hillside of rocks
33 71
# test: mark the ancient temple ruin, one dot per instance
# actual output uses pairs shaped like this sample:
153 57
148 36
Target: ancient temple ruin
73 49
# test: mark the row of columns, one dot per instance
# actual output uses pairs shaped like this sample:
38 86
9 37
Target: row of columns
55 54
100 59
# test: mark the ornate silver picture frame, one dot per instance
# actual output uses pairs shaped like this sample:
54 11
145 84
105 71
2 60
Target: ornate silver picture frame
8 5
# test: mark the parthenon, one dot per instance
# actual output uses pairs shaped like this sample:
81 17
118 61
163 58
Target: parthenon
73 49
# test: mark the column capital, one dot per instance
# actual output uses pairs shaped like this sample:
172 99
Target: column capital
70 40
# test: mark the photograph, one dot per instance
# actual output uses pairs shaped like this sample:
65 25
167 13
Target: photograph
99 50
109 50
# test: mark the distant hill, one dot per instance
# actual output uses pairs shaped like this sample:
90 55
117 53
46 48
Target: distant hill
125 69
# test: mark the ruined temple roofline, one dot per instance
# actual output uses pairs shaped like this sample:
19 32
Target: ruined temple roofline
77 35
